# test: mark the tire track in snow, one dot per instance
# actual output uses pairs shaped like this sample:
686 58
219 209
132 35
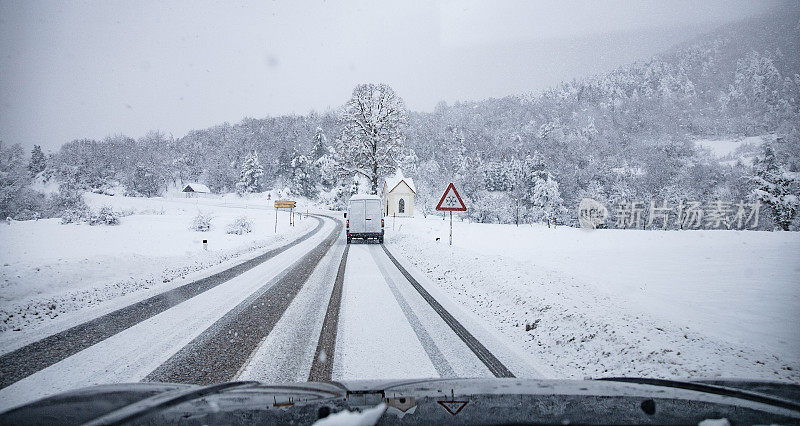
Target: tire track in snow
437 358
492 363
322 366
219 353
22 362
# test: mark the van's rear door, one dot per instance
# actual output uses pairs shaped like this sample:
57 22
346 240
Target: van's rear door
372 216
357 217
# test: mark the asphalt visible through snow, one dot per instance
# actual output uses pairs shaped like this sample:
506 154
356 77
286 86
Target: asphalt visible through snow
316 309
220 351
33 357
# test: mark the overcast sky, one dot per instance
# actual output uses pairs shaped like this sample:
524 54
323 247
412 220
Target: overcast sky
90 69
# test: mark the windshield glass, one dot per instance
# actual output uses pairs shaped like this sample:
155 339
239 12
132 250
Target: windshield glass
293 192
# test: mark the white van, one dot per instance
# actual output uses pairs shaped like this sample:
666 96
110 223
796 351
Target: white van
364 218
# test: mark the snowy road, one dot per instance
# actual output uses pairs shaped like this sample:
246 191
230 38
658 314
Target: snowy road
388 330
315 309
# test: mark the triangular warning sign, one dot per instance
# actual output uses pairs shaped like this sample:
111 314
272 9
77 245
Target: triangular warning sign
453 407
451 201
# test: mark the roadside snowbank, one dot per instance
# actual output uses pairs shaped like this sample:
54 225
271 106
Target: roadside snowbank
622 302
48 269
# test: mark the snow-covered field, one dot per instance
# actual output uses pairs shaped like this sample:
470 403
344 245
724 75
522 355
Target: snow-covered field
678 304
49 270
729 151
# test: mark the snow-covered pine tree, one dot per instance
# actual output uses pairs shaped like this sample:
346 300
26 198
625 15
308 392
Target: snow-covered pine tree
546 200
38 161
251 175
320 148
776 187
323 158
325 168
303 179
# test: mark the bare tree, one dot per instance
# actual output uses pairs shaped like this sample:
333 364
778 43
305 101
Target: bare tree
373 121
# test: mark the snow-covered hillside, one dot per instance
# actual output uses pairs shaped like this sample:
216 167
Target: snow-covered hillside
623 302
49 270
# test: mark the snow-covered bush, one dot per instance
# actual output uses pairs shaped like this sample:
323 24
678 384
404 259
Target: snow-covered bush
68 204
201 222
74 216
242 225
105 216
491 207
27 214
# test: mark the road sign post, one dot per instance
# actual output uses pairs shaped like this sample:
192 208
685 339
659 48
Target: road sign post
451 202
451 228
284 204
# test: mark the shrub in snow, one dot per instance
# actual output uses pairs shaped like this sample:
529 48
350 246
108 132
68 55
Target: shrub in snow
105 216
201 222
27 214
74 216
241 225
491 207
69 205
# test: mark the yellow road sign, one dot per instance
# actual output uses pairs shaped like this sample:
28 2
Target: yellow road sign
285 204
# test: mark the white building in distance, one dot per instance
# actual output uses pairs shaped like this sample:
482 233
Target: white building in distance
398 195
194 188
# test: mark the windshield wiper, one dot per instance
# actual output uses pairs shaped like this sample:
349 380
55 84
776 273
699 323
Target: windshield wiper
713 389
162 401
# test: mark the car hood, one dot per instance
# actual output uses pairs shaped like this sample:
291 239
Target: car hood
485 401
